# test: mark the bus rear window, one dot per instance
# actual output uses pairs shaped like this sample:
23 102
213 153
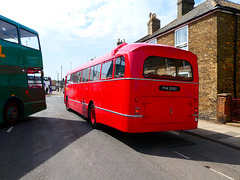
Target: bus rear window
166 68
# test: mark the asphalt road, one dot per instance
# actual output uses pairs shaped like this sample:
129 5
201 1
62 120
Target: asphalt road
57 144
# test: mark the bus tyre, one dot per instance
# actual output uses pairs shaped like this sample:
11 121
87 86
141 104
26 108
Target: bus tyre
92 116
11 113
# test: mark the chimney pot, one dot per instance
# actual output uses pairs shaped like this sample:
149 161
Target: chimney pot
154 24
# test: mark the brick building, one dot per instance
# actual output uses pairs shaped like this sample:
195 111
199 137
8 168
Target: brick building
211 30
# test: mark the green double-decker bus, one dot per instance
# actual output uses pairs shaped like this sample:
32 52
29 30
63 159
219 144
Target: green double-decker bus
21 72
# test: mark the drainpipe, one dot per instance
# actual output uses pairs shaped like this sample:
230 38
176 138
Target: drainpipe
235 60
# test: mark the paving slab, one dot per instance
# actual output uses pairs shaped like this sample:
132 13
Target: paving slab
228 134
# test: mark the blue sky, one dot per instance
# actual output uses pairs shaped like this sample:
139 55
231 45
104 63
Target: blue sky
73 32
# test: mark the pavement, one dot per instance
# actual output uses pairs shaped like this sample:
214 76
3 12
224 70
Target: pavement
227 134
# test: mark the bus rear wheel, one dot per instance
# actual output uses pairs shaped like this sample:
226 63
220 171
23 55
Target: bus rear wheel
11 113
92 116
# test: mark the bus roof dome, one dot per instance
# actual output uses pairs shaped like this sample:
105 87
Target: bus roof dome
114 51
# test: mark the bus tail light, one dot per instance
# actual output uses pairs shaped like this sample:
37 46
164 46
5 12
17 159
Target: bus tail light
136 111
26 92
195 110
196 113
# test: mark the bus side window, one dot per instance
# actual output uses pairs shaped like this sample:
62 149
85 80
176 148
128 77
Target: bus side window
68 79
107 69
85 75
95 72
78 76
119 67
8 32
73 75
29 39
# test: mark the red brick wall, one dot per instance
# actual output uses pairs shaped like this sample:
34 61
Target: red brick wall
167 39
203 42
226 48
224 108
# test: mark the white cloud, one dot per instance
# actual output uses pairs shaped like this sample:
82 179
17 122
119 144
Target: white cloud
78 30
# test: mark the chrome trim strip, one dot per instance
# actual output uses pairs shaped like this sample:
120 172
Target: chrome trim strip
78 102
161 80
126 115
85 104
75 101
140 79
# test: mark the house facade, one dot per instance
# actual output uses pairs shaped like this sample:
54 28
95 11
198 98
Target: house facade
211 30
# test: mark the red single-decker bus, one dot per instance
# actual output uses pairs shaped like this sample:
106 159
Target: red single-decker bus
137 88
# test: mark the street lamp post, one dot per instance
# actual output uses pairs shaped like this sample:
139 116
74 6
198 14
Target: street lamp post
61 72
57 84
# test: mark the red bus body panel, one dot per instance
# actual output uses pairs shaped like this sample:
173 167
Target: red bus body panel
117 99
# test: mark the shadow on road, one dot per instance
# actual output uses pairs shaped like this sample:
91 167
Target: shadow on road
161 143
35 141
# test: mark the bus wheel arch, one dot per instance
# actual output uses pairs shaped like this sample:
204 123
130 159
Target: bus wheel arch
92 114
13 110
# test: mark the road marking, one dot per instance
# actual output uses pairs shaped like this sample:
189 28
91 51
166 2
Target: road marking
10 129
218 172
182 155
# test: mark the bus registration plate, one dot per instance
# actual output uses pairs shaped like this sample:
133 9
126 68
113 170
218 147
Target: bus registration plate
169 88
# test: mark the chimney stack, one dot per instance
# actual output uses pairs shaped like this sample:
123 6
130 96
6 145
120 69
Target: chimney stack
120 42
184 6
153 24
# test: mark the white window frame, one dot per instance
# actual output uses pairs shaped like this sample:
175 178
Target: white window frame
153 41
181 45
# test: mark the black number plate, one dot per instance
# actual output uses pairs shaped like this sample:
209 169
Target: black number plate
169 88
